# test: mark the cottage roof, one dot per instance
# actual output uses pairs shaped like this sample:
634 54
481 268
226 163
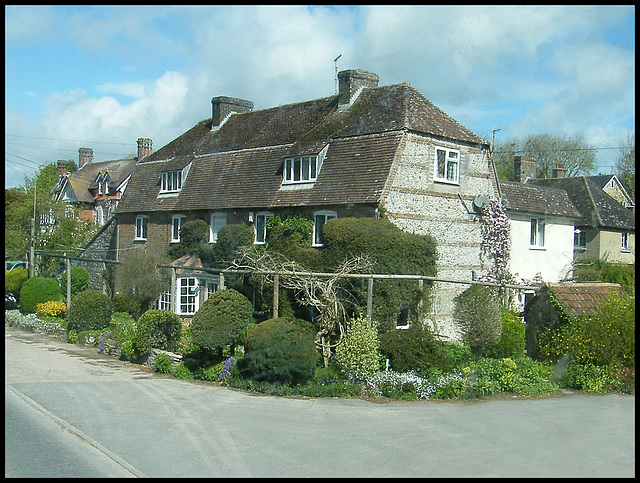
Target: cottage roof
84 179
581 298
239 164
596 207
532 199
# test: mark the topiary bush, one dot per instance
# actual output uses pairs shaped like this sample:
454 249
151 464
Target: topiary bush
280 351
158 329
512 339
477 315
79 280
90 310
221 320
38 290
414 349
360 347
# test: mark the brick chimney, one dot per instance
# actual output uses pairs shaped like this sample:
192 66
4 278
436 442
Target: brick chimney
62 169
558 171
145 148
85 156
524 167
223 107
351 82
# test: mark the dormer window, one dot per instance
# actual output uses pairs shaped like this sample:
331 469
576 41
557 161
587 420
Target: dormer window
301 170
171 182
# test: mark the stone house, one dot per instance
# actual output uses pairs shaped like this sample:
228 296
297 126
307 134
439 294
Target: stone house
367 150
96 188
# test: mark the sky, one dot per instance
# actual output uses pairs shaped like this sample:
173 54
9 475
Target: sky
101 77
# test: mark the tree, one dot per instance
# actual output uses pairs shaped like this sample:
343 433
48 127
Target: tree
571 152
477 315
626 166
140 275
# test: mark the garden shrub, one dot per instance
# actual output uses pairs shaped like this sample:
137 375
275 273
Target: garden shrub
221 320
477 315
163 364
604 338
158 329
13 281
182 372
512 339
359 349
51 309
592 378
128 304
281 351
90 310
523 377
79 280
413 349
38 290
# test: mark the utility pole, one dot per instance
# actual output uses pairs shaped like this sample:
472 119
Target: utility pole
32 253
335 61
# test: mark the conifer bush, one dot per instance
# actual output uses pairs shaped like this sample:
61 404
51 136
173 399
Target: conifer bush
79 280
280 351
477 315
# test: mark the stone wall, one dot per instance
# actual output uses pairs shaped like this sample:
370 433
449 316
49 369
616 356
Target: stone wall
418 204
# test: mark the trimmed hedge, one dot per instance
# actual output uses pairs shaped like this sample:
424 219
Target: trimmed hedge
90 310
158 329
38 290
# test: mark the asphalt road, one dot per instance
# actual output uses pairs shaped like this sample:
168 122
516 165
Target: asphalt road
111 418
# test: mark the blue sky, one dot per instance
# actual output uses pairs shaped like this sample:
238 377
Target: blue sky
102 77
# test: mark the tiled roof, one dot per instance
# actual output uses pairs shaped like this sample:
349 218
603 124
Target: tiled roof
582 298
596 207
84 178
240 163
526 198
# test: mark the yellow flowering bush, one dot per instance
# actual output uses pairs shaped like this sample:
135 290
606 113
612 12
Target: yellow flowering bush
51 309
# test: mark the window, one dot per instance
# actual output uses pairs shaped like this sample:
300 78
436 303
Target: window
218 220
579 239
100 185
537 232
261 227
320 218
625 240
171 182
211 287
447 165
300 170
141 227
176 224
404 318
188 298
163 302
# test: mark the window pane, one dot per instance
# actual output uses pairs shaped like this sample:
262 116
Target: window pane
441 162
296 169
452 171
305 169
314 168
287 169
534 231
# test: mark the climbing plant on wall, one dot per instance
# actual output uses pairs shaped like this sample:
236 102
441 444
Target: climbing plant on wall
496 241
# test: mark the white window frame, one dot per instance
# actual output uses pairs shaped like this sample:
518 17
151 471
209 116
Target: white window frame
176 224
579 238
142 222
260 227
188 295
301 169
163 302
407 320
442 167
100 185
625 241
537 234
171 181
326 215
218 220
211 286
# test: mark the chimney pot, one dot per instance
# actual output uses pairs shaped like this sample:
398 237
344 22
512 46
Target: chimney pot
351 81
223 106
558 171
62 169
85 156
